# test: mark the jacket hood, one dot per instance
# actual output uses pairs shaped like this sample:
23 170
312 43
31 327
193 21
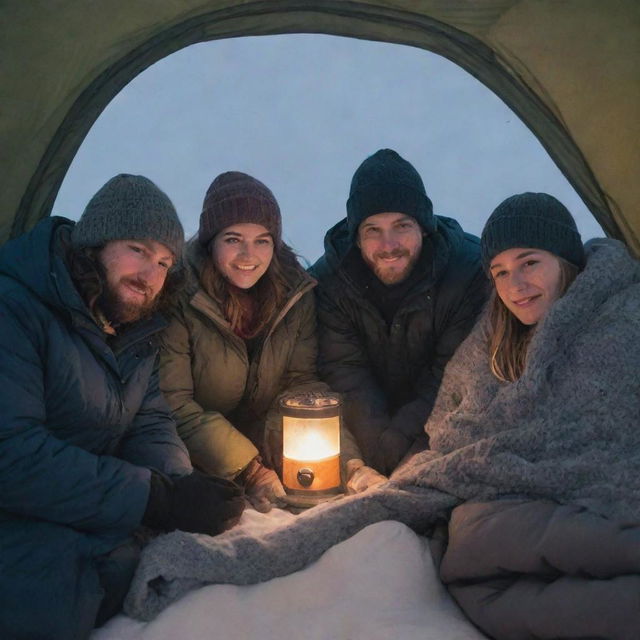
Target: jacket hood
446 240
36 261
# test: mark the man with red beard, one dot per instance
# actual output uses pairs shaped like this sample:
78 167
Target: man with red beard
399 289
88 448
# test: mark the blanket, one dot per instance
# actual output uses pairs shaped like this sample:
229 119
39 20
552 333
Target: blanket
381 583
566 431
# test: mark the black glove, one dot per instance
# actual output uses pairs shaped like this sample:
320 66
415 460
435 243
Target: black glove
195 503
391 448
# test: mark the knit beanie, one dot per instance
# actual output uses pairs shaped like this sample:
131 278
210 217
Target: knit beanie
235 198
385 182
532 220
129 208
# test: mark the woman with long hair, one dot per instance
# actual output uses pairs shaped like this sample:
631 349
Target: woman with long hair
527 279
244 335
545 392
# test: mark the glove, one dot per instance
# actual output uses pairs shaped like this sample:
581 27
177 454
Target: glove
196 503
391 448
360 477
410 418
262 486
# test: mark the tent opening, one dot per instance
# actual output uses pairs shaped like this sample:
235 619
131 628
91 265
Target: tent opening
300 112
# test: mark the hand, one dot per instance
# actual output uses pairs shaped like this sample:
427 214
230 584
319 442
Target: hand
391 448
196 503
360 477
262 486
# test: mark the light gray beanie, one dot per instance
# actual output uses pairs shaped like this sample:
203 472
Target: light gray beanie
129 207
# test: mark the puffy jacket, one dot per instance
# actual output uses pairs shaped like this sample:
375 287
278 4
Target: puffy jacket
390 373
224 402
81 422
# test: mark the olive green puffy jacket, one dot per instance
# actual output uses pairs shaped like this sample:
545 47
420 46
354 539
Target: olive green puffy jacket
225 404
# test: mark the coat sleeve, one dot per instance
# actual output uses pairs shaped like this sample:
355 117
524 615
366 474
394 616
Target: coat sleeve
216 447
41 475
345 366
453 325
152 441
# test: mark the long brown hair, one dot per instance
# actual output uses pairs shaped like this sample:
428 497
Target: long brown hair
267 295
509 338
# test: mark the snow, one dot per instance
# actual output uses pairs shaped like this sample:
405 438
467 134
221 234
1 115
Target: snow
379 584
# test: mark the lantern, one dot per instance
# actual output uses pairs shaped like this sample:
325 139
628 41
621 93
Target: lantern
310 447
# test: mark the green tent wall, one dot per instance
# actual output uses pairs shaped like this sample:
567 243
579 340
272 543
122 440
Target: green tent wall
568 68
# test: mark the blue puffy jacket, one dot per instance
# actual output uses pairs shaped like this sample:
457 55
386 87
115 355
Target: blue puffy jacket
81 423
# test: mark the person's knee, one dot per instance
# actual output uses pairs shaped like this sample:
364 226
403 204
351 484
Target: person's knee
115 571
49 582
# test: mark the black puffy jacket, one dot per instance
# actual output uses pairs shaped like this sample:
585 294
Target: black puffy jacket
390 372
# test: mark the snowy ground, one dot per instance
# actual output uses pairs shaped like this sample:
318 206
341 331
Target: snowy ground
378 585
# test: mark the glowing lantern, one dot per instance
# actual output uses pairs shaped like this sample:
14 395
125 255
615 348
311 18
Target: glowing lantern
310 447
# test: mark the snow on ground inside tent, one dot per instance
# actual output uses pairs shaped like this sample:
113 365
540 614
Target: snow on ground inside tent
379 584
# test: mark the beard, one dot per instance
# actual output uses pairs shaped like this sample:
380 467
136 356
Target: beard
388 274
119 311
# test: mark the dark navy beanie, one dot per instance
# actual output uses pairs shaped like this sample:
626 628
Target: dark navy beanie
385 182
532 220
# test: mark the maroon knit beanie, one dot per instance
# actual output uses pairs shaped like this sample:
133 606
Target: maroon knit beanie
234 198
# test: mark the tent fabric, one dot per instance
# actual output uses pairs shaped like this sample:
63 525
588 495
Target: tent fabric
568 69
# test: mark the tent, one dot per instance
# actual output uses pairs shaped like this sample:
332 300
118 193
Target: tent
568 68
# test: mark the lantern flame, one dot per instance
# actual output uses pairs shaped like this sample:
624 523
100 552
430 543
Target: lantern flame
306 439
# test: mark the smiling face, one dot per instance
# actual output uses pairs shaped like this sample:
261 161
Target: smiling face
242 253
135 272
390 244
528 281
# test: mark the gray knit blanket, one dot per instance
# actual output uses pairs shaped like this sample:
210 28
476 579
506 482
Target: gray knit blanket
568 430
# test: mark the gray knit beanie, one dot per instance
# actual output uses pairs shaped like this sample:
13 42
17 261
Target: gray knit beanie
532 220
234 198
129 208
385 182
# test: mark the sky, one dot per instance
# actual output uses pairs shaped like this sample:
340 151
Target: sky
300 113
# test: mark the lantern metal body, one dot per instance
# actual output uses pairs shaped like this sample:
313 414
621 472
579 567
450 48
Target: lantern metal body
311 447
